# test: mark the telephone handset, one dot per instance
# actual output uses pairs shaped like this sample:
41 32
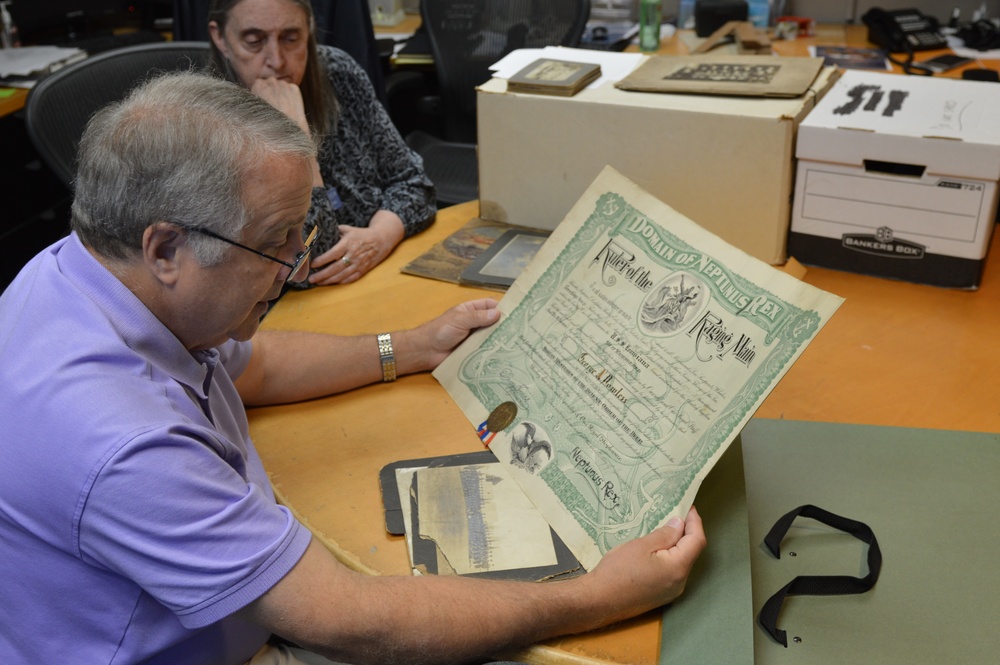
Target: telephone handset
903 30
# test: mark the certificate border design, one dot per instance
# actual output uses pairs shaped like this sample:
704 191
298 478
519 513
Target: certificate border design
493 375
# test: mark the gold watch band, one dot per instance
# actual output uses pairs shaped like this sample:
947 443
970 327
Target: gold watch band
386 357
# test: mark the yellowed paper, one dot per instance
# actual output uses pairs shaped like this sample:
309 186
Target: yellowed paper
481 521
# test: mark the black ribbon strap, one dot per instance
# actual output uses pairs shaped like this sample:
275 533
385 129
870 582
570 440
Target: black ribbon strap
817 585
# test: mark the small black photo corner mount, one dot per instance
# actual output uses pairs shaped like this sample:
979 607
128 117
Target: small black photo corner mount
817 585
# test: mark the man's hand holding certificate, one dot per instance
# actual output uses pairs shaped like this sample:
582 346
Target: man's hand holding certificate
631 352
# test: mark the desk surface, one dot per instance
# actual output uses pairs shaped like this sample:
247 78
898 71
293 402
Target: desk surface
895 354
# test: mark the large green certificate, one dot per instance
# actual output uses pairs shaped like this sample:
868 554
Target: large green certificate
630 353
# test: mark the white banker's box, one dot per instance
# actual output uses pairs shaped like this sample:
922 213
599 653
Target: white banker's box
725 162
897 177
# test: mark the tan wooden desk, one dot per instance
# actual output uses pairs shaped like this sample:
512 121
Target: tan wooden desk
894 354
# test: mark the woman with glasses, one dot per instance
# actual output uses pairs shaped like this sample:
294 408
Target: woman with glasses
369 189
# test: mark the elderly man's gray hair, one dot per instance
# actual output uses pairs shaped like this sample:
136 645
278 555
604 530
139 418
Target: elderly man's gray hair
176 149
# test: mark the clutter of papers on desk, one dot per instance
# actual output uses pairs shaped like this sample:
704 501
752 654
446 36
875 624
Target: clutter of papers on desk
21 67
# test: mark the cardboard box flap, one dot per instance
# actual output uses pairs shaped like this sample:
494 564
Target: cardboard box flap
865 148
948 126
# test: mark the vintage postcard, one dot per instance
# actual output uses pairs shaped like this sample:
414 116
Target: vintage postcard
447 259
630 353
504 260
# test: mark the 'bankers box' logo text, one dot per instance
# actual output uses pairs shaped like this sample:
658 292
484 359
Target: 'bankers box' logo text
882 243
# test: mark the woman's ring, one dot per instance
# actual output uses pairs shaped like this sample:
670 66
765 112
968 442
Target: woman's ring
346 261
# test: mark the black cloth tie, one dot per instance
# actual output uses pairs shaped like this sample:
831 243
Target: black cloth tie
817 585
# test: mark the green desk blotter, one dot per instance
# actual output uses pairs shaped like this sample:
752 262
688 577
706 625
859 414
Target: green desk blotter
930 496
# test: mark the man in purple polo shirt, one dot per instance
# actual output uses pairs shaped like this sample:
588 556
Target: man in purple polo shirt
136 521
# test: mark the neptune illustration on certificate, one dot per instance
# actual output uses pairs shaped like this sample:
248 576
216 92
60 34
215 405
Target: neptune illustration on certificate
631 351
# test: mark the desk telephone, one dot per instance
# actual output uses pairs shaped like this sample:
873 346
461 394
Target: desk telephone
903 30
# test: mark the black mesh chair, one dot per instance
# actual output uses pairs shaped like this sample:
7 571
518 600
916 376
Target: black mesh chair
467 37
59 106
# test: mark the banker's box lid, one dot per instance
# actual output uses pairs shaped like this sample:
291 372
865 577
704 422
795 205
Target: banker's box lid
949 126
793 108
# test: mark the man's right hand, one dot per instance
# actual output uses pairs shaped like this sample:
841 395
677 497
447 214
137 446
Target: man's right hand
651 571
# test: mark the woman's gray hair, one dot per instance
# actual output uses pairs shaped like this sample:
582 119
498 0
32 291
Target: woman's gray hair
176 149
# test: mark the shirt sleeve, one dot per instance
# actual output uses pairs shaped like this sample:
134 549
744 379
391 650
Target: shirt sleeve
176 510
235 356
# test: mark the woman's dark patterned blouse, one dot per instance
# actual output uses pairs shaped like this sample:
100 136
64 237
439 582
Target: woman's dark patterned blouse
365 164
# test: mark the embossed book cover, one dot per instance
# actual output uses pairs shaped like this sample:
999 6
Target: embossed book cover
549 76
630 353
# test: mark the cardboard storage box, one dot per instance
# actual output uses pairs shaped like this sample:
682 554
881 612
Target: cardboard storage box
897 177
725 162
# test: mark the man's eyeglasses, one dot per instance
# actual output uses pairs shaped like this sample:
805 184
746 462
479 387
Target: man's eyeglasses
294 268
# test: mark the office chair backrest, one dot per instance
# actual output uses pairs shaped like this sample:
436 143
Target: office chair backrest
59 106
467 36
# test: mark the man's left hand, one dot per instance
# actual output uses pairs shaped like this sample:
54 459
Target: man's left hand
437 338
